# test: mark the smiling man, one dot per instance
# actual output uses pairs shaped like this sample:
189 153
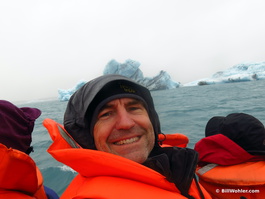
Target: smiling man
113 122
123 128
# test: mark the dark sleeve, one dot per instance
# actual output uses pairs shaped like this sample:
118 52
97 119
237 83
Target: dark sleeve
50 193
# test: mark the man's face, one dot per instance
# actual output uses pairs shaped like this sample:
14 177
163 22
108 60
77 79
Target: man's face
123 128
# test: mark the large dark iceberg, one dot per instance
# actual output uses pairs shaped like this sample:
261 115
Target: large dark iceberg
131 69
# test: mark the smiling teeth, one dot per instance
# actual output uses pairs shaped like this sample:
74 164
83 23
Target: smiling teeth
127 141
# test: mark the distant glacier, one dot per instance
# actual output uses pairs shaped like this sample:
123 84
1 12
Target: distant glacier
163 81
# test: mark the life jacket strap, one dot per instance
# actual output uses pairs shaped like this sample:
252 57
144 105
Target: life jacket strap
67 138
206 168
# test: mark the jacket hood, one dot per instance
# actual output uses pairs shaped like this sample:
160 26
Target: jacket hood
17 125
219 149
82 104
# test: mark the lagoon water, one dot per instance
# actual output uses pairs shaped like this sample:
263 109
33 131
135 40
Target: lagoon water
184 110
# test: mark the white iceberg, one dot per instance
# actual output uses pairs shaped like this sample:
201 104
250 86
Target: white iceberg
238 73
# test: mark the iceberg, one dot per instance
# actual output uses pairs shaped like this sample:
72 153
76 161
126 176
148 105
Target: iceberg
131 70
128 69
238 73
64 95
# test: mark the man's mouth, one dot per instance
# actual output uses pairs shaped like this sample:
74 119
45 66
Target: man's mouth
127 141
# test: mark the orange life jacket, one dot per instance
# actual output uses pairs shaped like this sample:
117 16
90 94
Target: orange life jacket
176 139
19 176
245 180
121 178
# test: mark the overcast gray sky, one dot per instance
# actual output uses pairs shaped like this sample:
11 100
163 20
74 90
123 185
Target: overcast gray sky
51 44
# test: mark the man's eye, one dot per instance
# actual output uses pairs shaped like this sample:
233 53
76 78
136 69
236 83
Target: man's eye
135 108
104 114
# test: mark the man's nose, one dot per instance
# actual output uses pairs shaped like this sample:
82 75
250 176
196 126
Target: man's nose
124 120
